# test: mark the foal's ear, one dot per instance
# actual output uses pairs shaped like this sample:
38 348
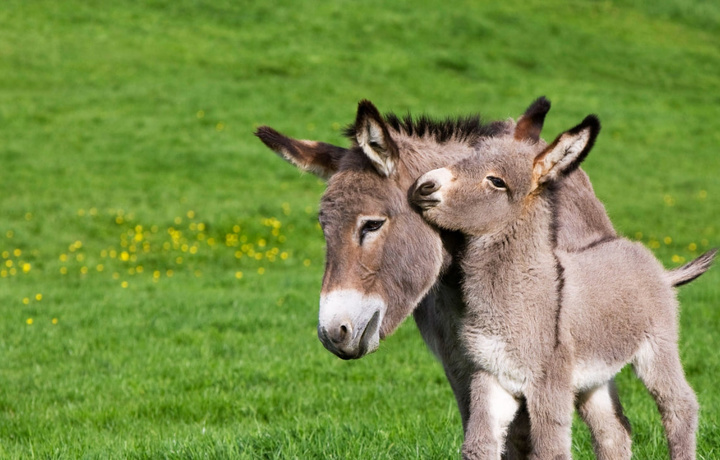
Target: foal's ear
530 124
318 158
372 135
567 151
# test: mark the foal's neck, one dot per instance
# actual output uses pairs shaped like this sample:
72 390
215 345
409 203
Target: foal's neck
527 244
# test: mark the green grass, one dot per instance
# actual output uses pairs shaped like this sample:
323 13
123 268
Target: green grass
126 141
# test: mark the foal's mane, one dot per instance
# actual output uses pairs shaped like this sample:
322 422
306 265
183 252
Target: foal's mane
461 129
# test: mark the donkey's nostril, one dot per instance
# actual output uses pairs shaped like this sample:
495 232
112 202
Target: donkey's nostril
426 188
422 195
341 334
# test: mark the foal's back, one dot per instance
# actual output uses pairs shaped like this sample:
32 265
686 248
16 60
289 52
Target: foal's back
615 295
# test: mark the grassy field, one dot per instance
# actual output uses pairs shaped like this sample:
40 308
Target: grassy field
160 269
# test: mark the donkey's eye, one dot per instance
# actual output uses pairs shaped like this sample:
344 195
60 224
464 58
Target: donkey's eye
496 182
370 226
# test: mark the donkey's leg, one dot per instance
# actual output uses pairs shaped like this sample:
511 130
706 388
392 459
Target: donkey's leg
492 409
601 410
550 402
657 363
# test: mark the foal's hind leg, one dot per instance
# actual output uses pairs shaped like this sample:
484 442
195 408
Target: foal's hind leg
657 364
601 410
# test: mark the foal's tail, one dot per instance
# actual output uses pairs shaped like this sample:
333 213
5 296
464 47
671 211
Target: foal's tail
691 270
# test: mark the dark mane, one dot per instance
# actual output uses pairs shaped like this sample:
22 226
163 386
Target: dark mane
463 129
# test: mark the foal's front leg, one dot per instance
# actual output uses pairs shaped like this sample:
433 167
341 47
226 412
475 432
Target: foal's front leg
492 409
550 402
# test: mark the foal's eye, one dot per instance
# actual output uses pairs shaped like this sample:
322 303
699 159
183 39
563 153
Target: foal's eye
496 182
370 226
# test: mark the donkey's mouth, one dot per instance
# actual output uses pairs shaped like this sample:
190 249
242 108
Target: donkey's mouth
370 338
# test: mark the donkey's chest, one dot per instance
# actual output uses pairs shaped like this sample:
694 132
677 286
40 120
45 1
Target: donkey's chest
501 359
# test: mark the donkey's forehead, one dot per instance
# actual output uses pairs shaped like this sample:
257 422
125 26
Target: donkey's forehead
358 192
506 158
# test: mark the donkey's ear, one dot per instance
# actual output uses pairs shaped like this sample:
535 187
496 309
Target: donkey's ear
372 135
318 158
567 151
531 122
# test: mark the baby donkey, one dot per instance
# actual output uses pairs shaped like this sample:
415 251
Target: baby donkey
549 325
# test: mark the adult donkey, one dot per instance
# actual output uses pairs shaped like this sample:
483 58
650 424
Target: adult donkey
385 262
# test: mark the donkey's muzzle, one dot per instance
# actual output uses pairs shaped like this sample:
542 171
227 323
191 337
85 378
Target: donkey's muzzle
349 323
425 192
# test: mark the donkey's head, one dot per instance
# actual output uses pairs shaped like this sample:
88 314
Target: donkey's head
484 194
382 257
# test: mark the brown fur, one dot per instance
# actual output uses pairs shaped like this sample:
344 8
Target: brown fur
411 265
550 322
